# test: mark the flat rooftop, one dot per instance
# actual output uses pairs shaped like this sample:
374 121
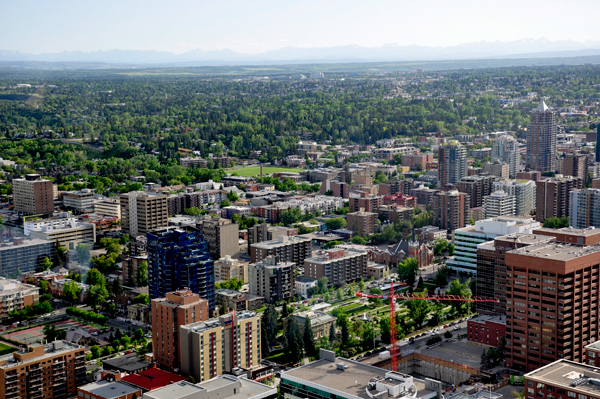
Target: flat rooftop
178 390
51 349
482 318
590 231
248 389
556 251
281 241
568 375
109 390
524 238
129 363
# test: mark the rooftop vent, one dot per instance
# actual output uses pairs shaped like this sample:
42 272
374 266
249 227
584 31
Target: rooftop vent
341 366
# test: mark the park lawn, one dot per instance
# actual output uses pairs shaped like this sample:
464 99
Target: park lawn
5 349
280 358
255 170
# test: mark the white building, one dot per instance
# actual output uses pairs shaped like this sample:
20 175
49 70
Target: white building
506 149
82 201
498 203
67 231
303 284
584 208
524 192
325 204
317 75
108 207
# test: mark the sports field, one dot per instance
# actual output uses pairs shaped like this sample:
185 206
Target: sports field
255 170
36 334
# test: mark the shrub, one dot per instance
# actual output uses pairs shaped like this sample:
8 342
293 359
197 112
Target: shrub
434 340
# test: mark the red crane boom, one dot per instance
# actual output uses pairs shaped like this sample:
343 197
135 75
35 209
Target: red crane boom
392 299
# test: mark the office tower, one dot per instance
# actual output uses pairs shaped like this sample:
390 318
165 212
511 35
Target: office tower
289 249
272 279
218 346
575 164
506 150
80 201
452 164
340 266
362 223
551 303
266 232
552 196
541 139
498 203
491 267
523 191
33 195
178 308
222 236
178 259
108 207
450 209
467 239
24 255
142 212
52 370
584 208
477 187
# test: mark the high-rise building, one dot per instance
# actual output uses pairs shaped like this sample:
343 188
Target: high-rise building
340 266
584 208
266 232
24 255
289 249
178 258
272 279
523 191
80 201
551 303
222 236
552 196
598 143
497 204
108 207
506 150
142 212
178 308
497 168
52 370
467 239
362 223
450 209
541 139
452 163
33 195
575 164
218 346
477 186
576 380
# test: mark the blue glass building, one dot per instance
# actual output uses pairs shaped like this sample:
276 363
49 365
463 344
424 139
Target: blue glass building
179 258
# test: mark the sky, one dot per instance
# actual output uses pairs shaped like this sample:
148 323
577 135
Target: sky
256 26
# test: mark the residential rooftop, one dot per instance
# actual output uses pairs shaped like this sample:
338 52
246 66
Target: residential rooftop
281 241
129 363
222 387
51 349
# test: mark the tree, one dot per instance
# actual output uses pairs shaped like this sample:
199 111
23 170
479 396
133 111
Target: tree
332 332
94 277
418 309
420 283
193 211
462 290
309 339
232 196
117 288
384 327
269 318
44 286
358 240
375 301
47 264
84 253
407 271
97 296
339 294
368 336
441 277
335 223
358 327
71 291
322 283
142 274
294 341
343 324
52 333
264 340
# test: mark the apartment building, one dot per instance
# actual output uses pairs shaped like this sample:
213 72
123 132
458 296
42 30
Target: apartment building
105 389
322 203
506 150
576 165
541 139
80 201
227 268
362 223
551 303
178 308
531 175
142 212
289 249
24 255
178 258
396 213
552 196
336 188
396 186
67 231
273 279
369 203
15 295
218 346
222 387
221 235
340 266
452 162
33 195
584 208
130 269
424 194
40 371
450 209
108 207
497 168
190 162
486 329
570 235
477 187
524 192
315 175
266 232
498 203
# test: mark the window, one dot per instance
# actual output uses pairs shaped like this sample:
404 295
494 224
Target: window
571 394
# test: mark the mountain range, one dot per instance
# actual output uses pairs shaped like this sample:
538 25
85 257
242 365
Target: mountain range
525 48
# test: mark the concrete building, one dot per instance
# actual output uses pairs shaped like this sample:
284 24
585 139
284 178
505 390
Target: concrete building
266 232
33 195
222 387
552 313
80 201
179 259
15 295
320 322
563 378
38 371
476 187
109 390
486 329
340 266
108 207
273 279
322 203
179 308
450 209
142 212
67 231
498 203
524 192
414 160
541 139
369 203
289 249
552 196
576 165
506 150
498 169
335 187
218 346
228 268
221 235
531 175
452 163
466 239
425 195
24 255
362 223
584 208
303 284
570 235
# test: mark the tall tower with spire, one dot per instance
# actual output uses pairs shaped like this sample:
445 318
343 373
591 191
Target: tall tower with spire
541 139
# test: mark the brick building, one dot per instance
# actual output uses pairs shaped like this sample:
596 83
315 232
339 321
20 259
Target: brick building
450 209
33 195
476 187
486 330
340 266
552 196
362 223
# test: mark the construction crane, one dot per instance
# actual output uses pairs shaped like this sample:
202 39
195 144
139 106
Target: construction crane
392 298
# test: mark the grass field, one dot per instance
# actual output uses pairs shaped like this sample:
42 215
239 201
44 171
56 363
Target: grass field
4 349
255 170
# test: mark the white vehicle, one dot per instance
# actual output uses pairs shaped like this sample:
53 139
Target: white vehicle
456 327
133 323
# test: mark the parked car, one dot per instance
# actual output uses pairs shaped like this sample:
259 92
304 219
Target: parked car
456 327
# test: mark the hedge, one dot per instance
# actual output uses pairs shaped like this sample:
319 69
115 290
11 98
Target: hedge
87 316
